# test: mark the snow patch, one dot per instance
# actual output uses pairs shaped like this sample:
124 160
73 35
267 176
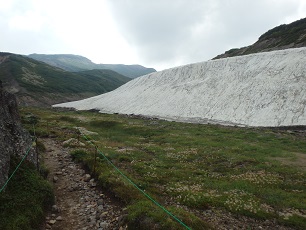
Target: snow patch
263 89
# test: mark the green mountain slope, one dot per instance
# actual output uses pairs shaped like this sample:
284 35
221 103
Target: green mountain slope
108 79
76 63
39 84
131 71
69 62
285 36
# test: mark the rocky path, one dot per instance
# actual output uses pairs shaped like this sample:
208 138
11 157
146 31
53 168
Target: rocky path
78 203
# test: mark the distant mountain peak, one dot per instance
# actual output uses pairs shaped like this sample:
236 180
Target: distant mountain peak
75 63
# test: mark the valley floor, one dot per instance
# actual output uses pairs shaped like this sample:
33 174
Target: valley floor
209 176
81 205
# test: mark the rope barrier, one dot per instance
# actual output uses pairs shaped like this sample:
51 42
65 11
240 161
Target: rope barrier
139 189
118 170
27 152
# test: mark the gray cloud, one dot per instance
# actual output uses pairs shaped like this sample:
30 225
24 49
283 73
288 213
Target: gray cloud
182 31
24 30
159 33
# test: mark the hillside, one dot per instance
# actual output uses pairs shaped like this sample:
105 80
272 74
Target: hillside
74 63
285 36
263 89
108 80
69 62
38 84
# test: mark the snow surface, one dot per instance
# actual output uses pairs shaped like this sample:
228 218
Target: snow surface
263 89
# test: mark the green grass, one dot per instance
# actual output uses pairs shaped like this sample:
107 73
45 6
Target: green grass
190 165
25 199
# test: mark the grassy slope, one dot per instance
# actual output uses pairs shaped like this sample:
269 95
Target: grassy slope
69 62
23 203
193 166
108 79
131 71
39 79
281 37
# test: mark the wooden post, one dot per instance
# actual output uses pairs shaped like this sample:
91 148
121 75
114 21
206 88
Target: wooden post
95 160
48 128
36 150
35 143
79 133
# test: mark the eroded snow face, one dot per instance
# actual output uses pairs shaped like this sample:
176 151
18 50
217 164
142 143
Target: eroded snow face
264 89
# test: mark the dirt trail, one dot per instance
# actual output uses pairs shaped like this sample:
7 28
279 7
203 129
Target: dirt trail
79 204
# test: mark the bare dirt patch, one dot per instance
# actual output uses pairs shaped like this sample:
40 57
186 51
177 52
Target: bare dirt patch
299 160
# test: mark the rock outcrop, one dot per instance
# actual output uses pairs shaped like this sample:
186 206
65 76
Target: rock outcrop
14 140
263 89
282 37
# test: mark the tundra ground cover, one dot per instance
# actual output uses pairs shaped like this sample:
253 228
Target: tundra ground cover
188 167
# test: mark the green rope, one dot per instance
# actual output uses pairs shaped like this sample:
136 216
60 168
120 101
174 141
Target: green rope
16 168
143 192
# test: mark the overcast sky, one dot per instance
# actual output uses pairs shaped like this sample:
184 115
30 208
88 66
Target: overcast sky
154 33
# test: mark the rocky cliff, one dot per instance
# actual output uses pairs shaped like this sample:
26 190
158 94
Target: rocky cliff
262 89
14 140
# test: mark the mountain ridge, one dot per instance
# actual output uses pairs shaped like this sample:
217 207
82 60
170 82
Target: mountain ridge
285 36
75 63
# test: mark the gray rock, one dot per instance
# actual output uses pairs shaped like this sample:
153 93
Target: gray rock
52 222
93 184
14 140
87 178
100 202
103 225
55 208
103 215
59 218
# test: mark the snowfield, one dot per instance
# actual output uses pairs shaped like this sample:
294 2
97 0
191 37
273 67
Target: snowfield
263 89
